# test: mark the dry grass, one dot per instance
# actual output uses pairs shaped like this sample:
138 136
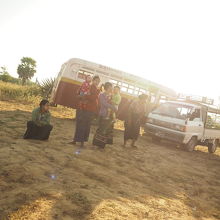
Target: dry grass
28 93
47 180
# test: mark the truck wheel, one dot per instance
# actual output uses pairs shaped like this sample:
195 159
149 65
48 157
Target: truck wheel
156 140
213 146
190 146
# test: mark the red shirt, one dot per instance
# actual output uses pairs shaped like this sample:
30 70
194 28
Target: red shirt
91 103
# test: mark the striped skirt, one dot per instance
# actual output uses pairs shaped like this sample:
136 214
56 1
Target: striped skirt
104 133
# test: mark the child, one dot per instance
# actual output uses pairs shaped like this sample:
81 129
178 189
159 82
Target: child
84 90
115 100
85 87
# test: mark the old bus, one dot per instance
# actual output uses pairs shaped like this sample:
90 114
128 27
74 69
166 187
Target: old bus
73 73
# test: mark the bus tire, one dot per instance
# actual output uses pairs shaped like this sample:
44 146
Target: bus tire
156 140
213 146
190 146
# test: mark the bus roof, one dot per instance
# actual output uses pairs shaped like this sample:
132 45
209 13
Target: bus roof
127 77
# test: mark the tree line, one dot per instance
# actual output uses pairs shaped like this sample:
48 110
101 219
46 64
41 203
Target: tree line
26 70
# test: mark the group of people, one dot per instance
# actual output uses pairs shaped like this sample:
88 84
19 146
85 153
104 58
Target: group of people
93 100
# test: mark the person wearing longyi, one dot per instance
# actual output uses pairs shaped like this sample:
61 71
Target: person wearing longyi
39 127
85 112
136 113
104 133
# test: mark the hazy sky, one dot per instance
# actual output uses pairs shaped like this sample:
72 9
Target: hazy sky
175 43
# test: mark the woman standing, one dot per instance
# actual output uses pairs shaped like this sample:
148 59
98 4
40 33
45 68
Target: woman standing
136 113
104 133
85 112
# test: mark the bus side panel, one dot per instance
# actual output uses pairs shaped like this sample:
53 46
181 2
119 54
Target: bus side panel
66 94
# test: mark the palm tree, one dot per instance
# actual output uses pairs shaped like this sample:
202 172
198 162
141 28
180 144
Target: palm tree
46 86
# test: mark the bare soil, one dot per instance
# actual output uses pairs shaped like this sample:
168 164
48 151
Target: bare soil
49 180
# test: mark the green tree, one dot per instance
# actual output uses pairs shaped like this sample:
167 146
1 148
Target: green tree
3 70
4 75
26 69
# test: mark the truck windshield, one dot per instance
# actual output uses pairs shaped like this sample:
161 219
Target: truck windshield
173 110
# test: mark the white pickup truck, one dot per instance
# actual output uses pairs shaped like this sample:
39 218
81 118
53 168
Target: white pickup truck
186 123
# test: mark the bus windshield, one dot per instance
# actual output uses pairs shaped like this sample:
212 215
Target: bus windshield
173 110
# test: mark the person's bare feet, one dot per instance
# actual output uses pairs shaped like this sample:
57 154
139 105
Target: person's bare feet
82 145
134 146
93 147
125 143
101 149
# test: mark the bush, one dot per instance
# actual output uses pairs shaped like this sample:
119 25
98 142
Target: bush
46 87
9 91
9 78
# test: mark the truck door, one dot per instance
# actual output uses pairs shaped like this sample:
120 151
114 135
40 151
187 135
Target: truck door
196 123
204 117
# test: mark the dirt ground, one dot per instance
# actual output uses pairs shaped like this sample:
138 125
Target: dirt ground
49 180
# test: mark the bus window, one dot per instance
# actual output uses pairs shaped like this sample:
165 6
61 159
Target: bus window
163 97
153 99
81 75
131 87
136 92
113 81
142 91
130 91
137 89
123 89
88 73
125 84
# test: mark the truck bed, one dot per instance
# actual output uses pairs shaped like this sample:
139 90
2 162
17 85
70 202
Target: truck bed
211 133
